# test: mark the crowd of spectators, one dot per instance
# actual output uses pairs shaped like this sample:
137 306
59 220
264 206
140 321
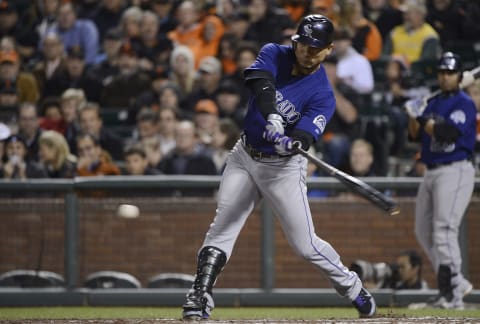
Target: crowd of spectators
171 73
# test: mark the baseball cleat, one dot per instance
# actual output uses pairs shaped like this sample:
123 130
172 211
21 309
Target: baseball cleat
365 304
198 306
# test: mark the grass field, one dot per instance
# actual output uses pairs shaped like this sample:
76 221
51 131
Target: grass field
230 315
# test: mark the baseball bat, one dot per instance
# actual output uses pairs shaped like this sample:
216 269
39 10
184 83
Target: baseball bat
361 188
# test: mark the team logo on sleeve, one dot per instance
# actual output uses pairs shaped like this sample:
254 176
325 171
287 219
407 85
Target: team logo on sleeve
458 117
320 121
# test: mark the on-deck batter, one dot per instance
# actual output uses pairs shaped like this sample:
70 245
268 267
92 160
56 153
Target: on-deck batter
292 102
447 130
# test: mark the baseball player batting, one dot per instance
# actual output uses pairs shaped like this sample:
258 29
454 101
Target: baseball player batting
292 102
447 130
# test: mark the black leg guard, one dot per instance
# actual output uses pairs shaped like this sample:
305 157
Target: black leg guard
199 303
444 282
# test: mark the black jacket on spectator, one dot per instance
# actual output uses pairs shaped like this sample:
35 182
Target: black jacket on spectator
112 144
63 81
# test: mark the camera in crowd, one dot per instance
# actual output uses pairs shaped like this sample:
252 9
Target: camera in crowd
382 274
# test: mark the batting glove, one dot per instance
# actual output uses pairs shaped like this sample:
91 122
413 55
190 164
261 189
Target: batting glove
274 128
415 107
284 145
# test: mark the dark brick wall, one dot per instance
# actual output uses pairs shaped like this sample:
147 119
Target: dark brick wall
166 236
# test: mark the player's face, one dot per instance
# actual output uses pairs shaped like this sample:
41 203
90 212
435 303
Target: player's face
309 58
448 80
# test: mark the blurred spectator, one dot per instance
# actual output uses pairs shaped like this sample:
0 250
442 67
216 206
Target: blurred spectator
471 16
164 9
296 9
383 15
51 66
226 53
327 8
169 96
55 155
146 126
415 39
130 23
91 122
399 86
75 76
12 25
168 119
71 102
8 101
229 102
25 82
366 38
353 69
189 156
128 84
446 17
29 129
153 151
213 30
227 9
361 159
205 119
209 76
48 10
51 112
107 15
77 32
189 29
92 159
15 165
182 67
224 137
238 24
267 22
343 127
106 62
4 134
136 162
152 47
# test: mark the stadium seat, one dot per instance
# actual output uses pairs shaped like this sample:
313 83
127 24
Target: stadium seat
111 279
31 279
171 280
378 68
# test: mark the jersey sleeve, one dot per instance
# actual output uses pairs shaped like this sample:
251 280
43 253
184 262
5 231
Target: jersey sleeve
267 60
317 114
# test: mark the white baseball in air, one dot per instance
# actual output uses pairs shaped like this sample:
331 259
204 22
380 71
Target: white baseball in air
128 211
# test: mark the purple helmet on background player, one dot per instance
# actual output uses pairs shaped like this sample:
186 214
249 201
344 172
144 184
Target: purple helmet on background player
450 62
315 31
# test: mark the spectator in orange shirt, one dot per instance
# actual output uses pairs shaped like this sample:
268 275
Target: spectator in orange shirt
367 39
92 159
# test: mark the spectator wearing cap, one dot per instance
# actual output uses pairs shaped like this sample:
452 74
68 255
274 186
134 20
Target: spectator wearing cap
51 65
366 37
8 101
267 22
415 39
75 32
205 120
12 25
128 84
229 101
15 165
76 76
25 82
153 47
353 69
108 16
106 61
29 128
209 77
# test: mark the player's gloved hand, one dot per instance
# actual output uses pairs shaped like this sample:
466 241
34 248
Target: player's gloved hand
274 128
284 145
467 79
415 107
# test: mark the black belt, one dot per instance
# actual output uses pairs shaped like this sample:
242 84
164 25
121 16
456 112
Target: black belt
256 154
434 166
